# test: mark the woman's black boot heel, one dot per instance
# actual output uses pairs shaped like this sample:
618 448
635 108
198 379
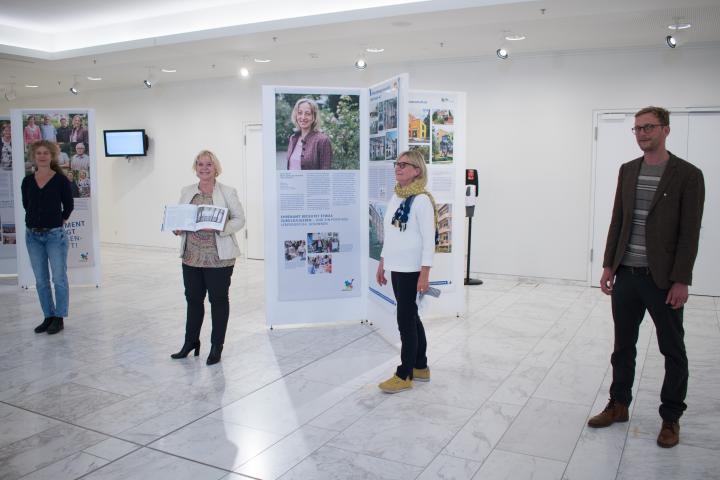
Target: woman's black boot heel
186 349
215 352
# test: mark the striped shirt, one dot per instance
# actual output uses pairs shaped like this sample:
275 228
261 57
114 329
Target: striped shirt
648 180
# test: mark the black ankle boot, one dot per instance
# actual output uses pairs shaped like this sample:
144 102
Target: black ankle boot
44 325
215 353
186 349
55 326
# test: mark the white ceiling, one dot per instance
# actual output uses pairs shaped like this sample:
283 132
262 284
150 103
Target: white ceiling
221 38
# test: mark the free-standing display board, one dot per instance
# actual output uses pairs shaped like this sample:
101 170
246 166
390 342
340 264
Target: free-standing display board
74 132
315 233
435 127
8 234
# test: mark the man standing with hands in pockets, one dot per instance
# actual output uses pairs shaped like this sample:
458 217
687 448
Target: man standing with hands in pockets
649 256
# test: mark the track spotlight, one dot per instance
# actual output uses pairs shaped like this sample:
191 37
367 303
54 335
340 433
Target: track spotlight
502 53
150 79
361 63
671 41
10 95
74 89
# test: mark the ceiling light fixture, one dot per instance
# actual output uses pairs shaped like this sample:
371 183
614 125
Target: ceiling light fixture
74 89
502 53
10 95
31 86
361 63
150 80
515 37
262 60
679 26
94 79
168 70
244 72
671 41
374 50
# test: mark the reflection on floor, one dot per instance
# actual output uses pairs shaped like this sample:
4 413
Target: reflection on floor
513 383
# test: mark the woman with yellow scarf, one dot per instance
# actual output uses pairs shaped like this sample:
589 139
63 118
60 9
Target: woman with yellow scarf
408 247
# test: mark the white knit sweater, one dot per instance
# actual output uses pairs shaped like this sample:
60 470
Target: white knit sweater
413 248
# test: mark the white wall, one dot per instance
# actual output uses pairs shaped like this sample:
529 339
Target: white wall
529 130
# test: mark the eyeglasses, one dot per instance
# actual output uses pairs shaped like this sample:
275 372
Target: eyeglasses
647 128
402 165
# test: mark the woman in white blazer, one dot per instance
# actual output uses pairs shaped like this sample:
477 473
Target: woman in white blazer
208 257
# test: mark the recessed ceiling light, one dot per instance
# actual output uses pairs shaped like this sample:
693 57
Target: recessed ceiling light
94 79
168 70
31 86
262 60
360 64
374 50
679 26
244 72
514 37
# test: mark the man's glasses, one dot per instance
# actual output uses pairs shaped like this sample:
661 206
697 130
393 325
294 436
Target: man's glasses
647 128
402 165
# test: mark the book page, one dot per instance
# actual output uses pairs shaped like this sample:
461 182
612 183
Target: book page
179 217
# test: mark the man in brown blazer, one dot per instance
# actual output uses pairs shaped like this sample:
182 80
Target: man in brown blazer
649 256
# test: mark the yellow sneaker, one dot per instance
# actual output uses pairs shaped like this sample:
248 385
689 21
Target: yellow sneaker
395 384
421 374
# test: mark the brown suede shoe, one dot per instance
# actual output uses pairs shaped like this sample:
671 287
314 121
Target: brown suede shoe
669 434
614 412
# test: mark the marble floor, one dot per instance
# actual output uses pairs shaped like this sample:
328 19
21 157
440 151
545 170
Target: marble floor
514 382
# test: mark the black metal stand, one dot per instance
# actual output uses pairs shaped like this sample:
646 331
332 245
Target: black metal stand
468 280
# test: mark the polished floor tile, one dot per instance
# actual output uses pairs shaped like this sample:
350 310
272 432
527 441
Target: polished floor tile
513 384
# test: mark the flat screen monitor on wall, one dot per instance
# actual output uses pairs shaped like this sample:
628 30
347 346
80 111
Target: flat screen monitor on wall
125 143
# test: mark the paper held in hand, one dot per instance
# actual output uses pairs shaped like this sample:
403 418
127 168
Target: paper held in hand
194 217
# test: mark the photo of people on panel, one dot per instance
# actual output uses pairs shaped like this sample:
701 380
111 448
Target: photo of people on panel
317 132
73 147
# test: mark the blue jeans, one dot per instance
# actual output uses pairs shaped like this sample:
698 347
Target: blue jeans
50 247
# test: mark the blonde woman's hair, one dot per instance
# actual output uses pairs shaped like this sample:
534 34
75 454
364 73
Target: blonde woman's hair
315 111
213 158
415 158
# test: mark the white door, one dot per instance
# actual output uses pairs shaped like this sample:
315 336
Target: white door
615 144
255 229
703 148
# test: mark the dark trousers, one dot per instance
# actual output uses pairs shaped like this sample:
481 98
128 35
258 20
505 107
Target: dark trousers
635 292
412 332
216 282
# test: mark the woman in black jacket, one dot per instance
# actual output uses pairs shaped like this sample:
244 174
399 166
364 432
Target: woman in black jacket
48 202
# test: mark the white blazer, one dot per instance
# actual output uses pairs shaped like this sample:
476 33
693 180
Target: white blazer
223 196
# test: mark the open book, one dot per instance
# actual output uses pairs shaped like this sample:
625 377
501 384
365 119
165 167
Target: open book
194 217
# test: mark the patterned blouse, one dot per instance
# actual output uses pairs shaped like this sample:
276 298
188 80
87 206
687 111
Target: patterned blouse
201 247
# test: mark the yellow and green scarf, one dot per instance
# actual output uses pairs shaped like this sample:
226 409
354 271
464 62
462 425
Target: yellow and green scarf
417 187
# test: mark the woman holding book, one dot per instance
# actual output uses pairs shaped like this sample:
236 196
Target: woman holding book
409 245
208 257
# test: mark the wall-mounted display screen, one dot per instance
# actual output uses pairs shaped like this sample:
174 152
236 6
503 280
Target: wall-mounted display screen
125 143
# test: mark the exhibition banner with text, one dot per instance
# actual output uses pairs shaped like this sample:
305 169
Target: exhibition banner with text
74 133
315 236
436 128
8 236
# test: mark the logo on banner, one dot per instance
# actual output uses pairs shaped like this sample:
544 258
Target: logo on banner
348 285
84 257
